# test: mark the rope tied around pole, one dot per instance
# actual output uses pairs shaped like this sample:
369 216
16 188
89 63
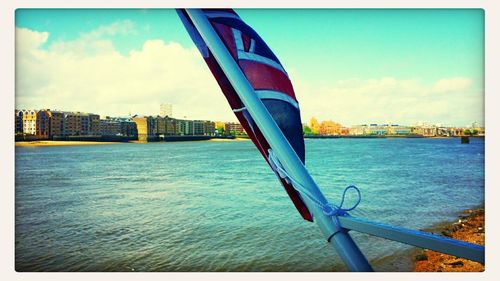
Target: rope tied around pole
336 210
329 209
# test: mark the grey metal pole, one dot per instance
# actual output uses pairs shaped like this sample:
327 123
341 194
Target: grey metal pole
341 240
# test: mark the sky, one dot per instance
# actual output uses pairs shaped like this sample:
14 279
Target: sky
350 66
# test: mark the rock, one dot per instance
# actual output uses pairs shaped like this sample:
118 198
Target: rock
446 233
457 263
456 227
421 257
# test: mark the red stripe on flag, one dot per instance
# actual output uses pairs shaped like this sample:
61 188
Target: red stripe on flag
220 10
264 77
246 42
227 37
234 101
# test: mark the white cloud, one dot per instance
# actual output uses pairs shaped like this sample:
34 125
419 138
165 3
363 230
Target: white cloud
451 84
94 42
27 40
89 74
123 27
453 101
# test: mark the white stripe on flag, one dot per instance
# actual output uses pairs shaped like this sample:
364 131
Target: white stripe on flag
238 39
252 46
242 55
275 95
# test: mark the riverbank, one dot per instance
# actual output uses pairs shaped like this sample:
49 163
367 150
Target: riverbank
59 143
76 143
470 228
384 137
228 139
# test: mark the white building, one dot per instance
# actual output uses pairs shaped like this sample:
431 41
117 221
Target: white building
166 109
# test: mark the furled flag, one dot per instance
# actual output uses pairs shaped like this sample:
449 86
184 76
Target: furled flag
266 75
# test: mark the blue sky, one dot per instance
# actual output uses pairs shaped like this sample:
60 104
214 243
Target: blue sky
351 66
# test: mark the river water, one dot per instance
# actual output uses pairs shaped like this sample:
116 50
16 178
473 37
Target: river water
216 206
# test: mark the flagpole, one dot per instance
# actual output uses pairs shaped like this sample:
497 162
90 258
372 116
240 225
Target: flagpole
335 235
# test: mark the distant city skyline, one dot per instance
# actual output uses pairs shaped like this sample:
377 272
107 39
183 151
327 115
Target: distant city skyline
168 107
350 66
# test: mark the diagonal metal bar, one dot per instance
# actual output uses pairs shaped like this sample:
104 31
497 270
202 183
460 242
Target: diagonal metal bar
416 238
343 243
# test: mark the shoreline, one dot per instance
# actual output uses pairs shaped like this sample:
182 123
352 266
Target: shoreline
78 143
25 143
385 137
470 228
61 143
228 139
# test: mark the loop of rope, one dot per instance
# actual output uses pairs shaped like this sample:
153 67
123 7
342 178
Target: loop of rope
329 209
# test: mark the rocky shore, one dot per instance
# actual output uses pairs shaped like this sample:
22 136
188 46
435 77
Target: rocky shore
469 228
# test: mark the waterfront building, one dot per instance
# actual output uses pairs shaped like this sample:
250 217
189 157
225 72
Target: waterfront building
425 130
198 127
81 124
159 126
29 122
162 126
477 129
166 110
19 121
110 127
203 128
72 124
231 127
182 127
459 132
395 129
391 129
117 126
94 124
47 124
56 123
378 130
42 128
171 126
402 130
209 128
443 132
144 126
128 127
358 130
371 129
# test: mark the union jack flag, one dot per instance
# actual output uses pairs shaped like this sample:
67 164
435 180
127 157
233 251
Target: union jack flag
268 78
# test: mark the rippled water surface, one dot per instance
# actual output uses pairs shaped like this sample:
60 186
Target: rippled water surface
216 206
